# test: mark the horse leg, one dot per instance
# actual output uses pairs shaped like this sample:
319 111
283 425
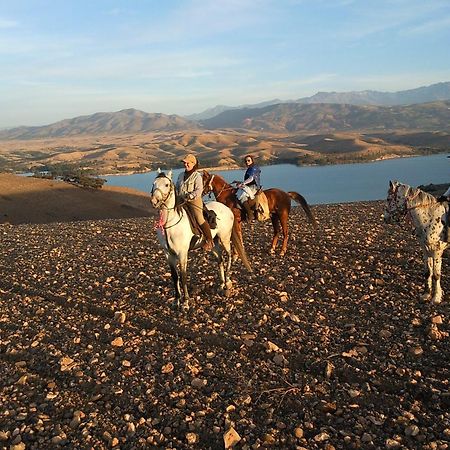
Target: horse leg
437 297
284 225
183 258
226 243
172 260
429 274
218 254
276 232
238 227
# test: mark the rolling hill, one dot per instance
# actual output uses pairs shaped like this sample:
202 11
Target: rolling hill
125 121
326 117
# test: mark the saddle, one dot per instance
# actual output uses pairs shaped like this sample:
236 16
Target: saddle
209 215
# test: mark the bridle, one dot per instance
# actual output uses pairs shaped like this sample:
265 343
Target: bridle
404 209
163 199
163 202
210 187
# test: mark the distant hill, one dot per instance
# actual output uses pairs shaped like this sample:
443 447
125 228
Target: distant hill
319 117
212 112
125 121
424 94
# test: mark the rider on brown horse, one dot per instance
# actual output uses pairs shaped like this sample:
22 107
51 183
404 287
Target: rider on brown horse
249 187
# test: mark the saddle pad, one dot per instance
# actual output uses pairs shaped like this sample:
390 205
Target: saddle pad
262 206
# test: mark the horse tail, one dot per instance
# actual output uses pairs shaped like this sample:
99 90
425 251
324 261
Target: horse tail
238 244
301 200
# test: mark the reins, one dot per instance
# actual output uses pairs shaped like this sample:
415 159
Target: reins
420 205
223 189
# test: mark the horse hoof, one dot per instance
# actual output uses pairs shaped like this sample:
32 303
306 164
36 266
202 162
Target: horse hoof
175 303
436 300
426 298
228 293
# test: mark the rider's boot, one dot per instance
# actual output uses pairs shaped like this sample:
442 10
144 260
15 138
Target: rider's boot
248 205
209 243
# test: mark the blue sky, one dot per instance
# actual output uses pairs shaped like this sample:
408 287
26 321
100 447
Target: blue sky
61 59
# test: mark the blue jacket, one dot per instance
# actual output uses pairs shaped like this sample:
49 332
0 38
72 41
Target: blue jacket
252 176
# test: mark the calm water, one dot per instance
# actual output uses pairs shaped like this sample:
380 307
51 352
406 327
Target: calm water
329 184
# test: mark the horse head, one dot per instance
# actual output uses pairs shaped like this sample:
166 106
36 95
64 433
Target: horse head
163 190
207 182
396 203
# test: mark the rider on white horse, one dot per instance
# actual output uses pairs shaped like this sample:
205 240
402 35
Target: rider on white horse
190 188
249 187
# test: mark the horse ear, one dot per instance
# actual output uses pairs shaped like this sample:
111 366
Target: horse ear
159 170
390 184
169 174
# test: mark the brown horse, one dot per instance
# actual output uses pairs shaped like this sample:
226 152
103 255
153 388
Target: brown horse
278 200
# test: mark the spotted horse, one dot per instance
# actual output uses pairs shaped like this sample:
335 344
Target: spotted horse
426 215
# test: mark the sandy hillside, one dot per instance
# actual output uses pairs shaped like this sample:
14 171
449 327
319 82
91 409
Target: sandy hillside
32 200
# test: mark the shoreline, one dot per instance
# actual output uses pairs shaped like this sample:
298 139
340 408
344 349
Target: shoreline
236 167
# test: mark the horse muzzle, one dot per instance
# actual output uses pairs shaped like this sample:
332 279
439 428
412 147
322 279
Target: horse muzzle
156 202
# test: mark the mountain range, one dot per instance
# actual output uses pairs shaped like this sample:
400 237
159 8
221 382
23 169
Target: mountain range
425 108
424 94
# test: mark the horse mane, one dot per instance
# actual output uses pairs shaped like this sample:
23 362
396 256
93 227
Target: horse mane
417 196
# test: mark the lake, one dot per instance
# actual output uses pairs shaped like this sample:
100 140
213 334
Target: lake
328 184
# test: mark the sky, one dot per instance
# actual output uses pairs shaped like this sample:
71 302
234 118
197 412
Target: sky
63 59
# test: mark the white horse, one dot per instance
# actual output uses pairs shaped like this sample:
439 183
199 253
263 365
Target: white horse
176 236
426 215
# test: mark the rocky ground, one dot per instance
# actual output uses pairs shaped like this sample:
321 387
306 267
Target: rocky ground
327 348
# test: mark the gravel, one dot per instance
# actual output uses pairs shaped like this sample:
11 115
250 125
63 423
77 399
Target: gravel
326 348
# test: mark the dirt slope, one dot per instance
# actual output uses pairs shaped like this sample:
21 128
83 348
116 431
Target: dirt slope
32 200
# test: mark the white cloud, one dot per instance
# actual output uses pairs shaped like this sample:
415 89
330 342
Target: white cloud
197 19
137 66
429 27
5 24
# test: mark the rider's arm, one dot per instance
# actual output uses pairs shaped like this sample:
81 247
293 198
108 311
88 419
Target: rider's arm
248 180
